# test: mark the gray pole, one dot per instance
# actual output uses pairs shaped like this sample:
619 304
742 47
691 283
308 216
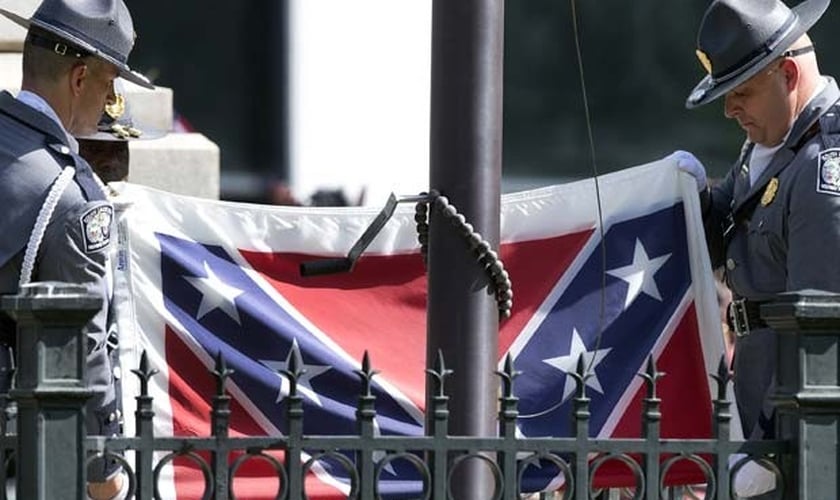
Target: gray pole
50 388
465 166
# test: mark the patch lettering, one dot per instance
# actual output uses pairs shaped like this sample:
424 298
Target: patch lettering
828 173
96 227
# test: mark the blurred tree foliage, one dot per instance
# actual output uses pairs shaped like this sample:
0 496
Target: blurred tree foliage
639 65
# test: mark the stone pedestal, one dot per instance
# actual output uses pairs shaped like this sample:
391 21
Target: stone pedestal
179 163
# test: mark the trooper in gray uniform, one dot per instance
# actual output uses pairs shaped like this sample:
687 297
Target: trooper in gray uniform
773 223
57 224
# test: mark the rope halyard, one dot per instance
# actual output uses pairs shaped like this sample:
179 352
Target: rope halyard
481 249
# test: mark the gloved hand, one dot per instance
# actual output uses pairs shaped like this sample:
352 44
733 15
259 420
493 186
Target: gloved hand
689 163
753 479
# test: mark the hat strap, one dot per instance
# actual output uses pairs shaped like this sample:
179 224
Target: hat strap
798 52
59 47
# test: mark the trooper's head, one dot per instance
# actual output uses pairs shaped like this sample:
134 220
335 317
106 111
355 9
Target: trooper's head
739 38
73 51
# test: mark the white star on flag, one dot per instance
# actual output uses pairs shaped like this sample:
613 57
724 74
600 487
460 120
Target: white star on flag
568 364
215 294
303 382
639 274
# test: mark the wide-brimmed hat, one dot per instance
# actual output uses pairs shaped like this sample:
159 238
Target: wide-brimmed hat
118 123
738 38
102 28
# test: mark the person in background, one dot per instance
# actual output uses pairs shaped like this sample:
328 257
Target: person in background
782 195
74 49
107 148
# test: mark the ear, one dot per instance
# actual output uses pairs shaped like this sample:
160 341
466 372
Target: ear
78 73
791 72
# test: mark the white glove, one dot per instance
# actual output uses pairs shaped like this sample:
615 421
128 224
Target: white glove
753 479
689 163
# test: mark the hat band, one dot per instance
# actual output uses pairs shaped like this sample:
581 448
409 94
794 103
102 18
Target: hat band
99 48
59 47
754 56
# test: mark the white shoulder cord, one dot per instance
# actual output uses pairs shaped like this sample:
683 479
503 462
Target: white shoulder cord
41 222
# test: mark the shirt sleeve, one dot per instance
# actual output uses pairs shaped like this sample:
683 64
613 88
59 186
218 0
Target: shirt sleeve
75 250
813 233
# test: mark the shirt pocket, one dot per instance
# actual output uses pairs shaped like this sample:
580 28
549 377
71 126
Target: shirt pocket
767 246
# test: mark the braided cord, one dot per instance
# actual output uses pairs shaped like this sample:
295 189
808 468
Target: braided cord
484 254
44 216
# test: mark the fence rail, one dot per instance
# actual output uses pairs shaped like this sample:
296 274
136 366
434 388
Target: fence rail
50 437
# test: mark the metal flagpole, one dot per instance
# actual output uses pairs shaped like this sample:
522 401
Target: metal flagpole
465 166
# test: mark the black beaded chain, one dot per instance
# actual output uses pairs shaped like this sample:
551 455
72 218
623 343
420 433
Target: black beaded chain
485 255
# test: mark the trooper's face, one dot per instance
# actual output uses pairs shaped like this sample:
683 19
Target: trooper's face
95 89
761 105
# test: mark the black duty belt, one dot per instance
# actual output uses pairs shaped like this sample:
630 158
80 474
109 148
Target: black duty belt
743 316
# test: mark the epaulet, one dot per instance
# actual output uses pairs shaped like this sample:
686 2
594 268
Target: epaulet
830 121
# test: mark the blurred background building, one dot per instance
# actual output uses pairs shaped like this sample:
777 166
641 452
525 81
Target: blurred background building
333 94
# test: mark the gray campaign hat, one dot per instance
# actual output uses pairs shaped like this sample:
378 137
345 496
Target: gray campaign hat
738 38
102 28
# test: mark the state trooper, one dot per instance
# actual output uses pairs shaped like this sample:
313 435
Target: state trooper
773 222
57 225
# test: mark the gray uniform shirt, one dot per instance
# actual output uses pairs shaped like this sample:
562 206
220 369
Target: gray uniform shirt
782 232
778 234
33 151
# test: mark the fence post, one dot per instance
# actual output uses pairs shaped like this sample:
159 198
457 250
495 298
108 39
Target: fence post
808 390
50 388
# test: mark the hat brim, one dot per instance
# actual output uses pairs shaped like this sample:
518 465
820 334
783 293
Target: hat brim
709 89
124 70
146 135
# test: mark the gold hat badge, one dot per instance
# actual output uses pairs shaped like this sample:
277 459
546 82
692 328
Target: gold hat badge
704 60
116 108
770 192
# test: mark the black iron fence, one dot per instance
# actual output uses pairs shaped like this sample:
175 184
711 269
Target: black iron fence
50 448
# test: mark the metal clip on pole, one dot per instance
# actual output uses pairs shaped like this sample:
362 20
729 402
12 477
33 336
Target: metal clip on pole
346 264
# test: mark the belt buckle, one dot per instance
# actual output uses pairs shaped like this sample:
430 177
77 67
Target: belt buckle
740 319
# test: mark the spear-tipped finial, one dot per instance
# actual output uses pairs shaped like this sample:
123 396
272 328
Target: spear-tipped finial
507 375
221 372
439 374
144 373
294 368
651 375
580 375
366 374
722 377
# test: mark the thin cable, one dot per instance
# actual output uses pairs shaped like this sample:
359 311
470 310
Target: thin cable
591 136
603 296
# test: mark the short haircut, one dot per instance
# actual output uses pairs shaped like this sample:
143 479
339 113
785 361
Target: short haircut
42 64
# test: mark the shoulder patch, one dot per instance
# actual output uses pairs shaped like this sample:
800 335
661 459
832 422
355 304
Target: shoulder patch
828 172
96 227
